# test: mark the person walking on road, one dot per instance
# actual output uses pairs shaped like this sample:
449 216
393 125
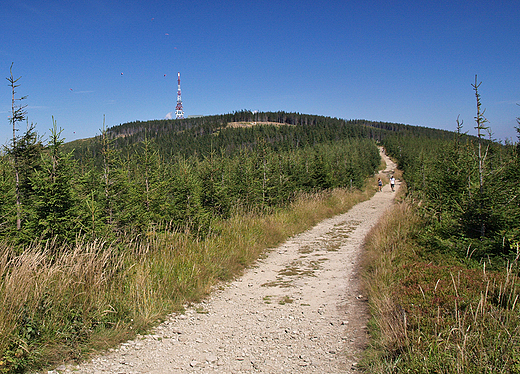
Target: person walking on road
392 183
379 184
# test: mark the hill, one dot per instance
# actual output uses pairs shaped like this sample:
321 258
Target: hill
232 132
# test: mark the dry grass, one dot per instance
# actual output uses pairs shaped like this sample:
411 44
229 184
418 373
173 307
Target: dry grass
384 246
45 293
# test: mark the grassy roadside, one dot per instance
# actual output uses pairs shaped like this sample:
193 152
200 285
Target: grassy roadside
432 313
61 304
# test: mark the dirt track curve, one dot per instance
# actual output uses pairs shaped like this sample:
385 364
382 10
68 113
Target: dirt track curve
299 310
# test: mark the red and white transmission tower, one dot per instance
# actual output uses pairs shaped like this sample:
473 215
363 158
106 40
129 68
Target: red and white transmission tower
179 113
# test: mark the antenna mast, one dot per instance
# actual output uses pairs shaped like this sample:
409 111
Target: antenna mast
179 113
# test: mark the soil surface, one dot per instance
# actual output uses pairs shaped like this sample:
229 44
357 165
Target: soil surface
298 310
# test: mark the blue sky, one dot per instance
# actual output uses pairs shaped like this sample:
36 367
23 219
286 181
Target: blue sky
409 62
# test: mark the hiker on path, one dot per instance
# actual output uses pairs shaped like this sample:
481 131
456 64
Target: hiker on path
392 182
380 184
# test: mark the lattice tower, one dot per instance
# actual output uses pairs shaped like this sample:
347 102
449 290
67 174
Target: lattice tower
179 112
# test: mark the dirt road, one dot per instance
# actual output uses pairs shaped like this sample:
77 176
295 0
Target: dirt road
299 310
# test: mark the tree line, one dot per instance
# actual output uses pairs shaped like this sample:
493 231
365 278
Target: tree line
190 136
182 173
467 189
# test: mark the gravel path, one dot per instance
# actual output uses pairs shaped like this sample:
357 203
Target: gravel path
299 310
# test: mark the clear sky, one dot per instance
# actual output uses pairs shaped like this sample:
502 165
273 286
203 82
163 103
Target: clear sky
409 62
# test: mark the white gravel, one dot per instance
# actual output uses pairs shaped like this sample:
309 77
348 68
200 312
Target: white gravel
299 310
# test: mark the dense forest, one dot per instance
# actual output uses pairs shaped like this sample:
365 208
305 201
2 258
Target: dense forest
176 173
202 135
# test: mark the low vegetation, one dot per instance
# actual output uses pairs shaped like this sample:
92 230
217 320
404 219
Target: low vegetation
433 313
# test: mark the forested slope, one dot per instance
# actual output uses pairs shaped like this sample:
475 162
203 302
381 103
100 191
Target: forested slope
192 135
179 173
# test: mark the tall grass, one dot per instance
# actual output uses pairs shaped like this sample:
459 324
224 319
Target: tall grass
58 304
433 313
55 299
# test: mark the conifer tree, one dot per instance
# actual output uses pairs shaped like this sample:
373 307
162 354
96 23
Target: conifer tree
108 159
53 204
7 203
481 127
89 199
27 153
18 114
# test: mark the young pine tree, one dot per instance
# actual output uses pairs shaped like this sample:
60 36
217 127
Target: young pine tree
54 206
18 114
